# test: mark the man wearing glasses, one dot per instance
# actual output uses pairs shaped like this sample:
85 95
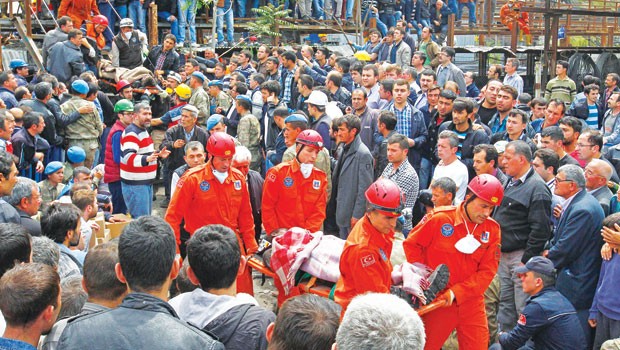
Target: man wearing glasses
589 146
576 244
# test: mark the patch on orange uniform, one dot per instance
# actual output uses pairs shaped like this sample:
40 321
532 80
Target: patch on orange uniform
181 182
368 260
271 177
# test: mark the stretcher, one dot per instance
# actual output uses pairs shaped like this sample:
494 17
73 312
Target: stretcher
312 286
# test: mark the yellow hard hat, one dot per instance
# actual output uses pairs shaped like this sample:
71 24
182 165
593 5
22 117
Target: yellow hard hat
362 56
183 91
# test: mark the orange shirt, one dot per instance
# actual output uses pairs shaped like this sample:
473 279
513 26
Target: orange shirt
289 200
365 263
202 200
78 10
432 242
92 34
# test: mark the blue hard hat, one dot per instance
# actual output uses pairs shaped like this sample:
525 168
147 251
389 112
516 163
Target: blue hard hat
17 63
199 75
76 154
53 167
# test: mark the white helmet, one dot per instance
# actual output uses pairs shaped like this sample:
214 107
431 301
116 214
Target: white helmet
126 22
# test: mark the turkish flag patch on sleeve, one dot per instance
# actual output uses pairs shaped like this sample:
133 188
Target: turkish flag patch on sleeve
368 260
521 320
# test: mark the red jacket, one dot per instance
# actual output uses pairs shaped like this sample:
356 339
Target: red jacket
202 200
289 200
432 242
365 263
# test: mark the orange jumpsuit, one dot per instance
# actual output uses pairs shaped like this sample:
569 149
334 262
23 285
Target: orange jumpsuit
201 200
96 37
508 16
365 263
432 242
78 10
289 200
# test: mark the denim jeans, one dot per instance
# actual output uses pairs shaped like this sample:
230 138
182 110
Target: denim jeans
224 14
240 6
380 25
137 15
350 4
174 26
388 20
187 17
471 6
317 11
425 173
138 198
106 10
118 202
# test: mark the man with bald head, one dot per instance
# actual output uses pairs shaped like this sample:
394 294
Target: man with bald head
597 173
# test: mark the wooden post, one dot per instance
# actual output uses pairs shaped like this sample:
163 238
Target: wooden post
153 30
514 37
555 20
28 17
450 33
481 38
610 35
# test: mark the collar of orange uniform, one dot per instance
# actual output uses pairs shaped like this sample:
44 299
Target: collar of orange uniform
209 173
460 214
295 166
375 236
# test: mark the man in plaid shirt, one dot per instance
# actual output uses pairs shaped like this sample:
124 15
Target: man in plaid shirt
289 61
410 121
402 173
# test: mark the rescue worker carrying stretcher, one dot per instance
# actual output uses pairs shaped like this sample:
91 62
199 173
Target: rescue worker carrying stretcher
467 240
216 193
295 192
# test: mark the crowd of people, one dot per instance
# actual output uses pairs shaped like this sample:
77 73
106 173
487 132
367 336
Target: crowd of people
511 200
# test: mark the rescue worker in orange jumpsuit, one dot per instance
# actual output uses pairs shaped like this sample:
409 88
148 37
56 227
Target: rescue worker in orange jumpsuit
94 31
295 192
78 10
365 261
511 13
467 240
216 193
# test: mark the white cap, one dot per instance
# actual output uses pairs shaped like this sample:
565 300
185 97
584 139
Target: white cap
317 98
126 22
333 110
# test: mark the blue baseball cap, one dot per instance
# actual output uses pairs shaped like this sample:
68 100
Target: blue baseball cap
52 167
80 86
537 264
216 83
76 154
213 121
295 118
17 63
199 75
243 97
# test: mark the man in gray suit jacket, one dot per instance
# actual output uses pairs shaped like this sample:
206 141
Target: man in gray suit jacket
597 173
402 56
448 71
351 177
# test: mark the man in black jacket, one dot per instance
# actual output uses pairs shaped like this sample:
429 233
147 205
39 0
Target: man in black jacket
462 125
175 140
214 262
163 58
147 244
524 220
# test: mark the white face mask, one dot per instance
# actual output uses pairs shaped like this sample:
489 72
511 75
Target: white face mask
128 35
221 177
467 244
306 170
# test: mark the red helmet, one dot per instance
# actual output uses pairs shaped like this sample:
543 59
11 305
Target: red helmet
310 138
385 196
220 144
99 19
488 188
121 85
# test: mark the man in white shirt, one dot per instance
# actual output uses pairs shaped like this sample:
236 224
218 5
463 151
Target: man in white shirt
450 166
